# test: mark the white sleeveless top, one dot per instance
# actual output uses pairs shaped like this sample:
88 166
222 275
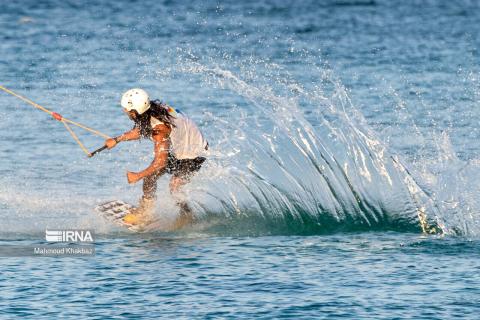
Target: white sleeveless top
186 140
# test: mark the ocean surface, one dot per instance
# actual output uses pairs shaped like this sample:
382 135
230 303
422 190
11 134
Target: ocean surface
342 176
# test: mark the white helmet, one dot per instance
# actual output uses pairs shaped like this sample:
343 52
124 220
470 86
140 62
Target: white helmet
136 99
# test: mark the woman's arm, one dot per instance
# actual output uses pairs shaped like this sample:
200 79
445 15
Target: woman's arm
133 134
161 140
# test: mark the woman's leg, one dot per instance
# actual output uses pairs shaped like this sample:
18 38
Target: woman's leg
146 203
150 186
186 215
184 171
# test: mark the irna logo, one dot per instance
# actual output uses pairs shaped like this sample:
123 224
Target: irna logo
68 235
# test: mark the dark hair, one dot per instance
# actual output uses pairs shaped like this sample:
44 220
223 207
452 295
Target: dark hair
157 110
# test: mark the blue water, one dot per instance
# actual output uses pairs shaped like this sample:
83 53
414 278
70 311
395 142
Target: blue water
342 178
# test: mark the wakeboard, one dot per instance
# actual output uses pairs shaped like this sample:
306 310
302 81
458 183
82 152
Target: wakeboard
114 211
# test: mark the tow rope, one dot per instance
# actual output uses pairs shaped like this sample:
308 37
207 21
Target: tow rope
63 120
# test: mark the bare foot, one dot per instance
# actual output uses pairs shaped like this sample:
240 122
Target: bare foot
185 217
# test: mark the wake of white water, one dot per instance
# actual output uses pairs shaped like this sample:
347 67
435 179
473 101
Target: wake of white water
309 152
278 164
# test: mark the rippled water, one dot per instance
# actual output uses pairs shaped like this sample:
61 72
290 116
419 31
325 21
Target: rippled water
373 275
339 131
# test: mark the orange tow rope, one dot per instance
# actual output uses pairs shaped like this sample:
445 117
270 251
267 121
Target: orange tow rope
58 117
